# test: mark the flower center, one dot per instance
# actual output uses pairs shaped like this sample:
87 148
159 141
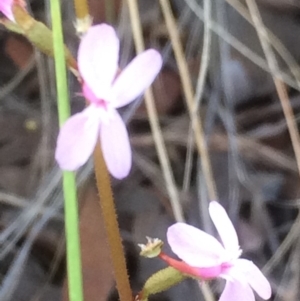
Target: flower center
102 103
93 99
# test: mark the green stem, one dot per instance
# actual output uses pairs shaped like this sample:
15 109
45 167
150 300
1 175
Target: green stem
69 183
111 226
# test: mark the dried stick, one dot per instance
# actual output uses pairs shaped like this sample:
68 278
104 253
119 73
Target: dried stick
153 119
288 114
189 96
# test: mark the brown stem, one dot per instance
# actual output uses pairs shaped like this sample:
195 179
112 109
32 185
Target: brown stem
111 226
81 9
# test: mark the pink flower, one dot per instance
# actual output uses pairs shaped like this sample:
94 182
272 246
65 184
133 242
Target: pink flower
6 9
205 257
98 57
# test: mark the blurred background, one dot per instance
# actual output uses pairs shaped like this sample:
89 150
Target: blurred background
252 157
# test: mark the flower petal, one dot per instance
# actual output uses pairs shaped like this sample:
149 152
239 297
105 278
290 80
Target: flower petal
115 146
194 246
77 139
6 9
88 94
225 227
237 291
98 56
136 77
255 278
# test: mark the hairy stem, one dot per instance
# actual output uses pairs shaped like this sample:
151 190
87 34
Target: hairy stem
111 226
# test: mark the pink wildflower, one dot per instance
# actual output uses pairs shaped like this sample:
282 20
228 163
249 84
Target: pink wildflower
98 57
205 257
6 9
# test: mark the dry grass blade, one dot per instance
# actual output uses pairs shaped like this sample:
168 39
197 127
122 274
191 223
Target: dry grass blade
239 46
200 87
288 113
153 119
192 107
189 97
273 40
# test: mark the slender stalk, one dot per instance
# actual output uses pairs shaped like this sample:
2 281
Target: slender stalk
154 122
192 108
279 85
288 114
189 96
273 40
69 182
111 226
203 70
